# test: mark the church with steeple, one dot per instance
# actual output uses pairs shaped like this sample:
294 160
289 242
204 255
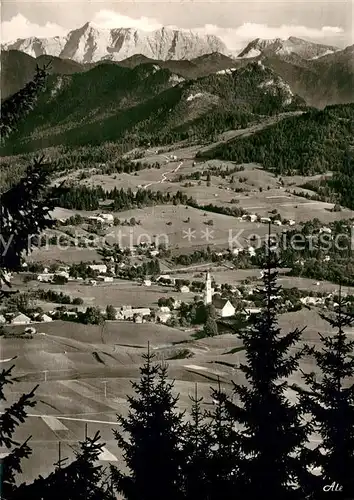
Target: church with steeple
223 307
208 297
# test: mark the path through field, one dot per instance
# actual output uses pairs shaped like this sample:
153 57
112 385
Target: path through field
164 176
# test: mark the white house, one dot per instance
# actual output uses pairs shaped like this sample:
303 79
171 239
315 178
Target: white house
252 310
105 279
184 289
107 217
278 222
2 319
21 319
163 317
101 268
63 274
127 312
326 230
252 251
46 319
264 220
45 277
164 309
291 222
96 218
223 307
147 282
154 253
311 301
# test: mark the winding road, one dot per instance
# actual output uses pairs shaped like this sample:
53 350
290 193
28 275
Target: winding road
164 176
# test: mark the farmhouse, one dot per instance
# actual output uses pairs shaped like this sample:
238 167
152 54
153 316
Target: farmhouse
184 289
164 309
108 218
45 277
252 310
96 218
45 318
101 268
105 279
21 319
163 317
223 307
127 312
147 282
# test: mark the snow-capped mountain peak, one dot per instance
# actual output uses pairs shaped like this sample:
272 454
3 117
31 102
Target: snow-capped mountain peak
283 47
91 44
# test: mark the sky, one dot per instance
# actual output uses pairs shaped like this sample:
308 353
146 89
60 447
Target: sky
235 22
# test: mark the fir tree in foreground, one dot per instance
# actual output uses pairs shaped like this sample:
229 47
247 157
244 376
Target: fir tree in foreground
197 450
80 480
10 419
25 207
225 452
150 440
331 403
272 433
16 107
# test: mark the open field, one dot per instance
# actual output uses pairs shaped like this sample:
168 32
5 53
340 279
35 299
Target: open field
251 180
84 374
118 293
178 227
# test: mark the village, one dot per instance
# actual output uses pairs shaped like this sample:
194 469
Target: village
225 301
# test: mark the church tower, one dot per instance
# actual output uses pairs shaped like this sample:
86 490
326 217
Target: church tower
208 290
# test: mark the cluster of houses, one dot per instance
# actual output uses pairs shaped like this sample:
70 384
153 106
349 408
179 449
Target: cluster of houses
143 314
266 220
63 272
23 319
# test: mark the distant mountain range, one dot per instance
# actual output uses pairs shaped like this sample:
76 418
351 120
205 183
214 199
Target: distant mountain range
293 45
173 85
320 80
90 44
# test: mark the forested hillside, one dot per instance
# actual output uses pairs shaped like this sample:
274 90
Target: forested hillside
147 103
308 144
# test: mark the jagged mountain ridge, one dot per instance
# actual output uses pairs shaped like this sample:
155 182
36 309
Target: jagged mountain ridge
90 44
323 81
280 47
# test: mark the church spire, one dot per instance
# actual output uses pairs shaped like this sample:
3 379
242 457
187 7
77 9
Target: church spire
208 290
